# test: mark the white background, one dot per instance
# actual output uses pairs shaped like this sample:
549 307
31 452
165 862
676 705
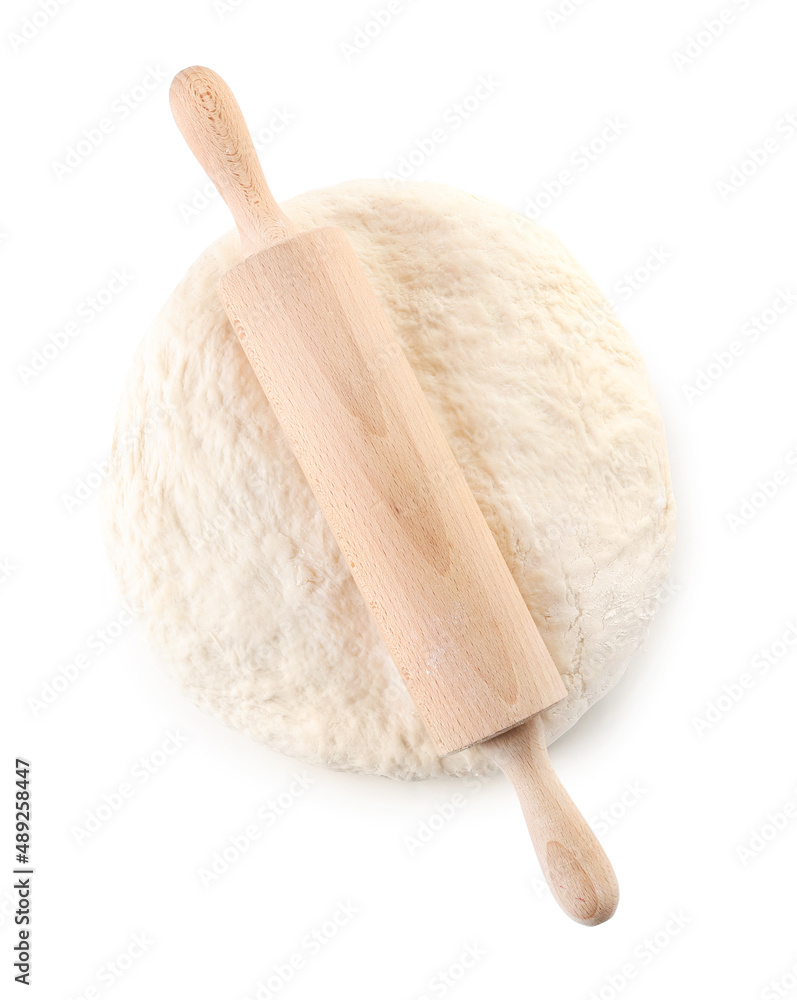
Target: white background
685 127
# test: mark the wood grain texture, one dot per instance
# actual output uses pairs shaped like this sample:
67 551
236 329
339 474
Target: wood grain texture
395 498
211 122
390 488
575 865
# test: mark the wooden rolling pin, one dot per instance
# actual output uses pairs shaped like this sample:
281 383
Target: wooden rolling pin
389 486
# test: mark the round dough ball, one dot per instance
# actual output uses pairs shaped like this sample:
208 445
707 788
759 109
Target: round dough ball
217 538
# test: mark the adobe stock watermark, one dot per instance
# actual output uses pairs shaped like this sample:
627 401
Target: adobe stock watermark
223 8
426 829
65 675
371 28
763 493
120 110
157 414
785 984
451 120
734 691
140 773
653 261
278 122
310 946
584 156
86 486
556 528
267 815
642 957
772 827
7 569
109 973
756 157
750 333
562 11
86 312
669 591
616 811
707 33
444 980
38 18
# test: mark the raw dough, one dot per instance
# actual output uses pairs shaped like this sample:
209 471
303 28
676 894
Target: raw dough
217 539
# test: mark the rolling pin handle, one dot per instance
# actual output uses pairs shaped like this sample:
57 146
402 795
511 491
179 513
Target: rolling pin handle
575 866
211 122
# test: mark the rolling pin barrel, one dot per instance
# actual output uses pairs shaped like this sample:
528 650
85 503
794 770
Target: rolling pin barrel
390 488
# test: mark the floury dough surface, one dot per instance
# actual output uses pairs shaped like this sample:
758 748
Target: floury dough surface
216 538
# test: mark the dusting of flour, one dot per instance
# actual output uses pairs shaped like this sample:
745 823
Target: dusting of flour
215 535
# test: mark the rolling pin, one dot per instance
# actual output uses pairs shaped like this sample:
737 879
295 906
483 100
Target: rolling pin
392 492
